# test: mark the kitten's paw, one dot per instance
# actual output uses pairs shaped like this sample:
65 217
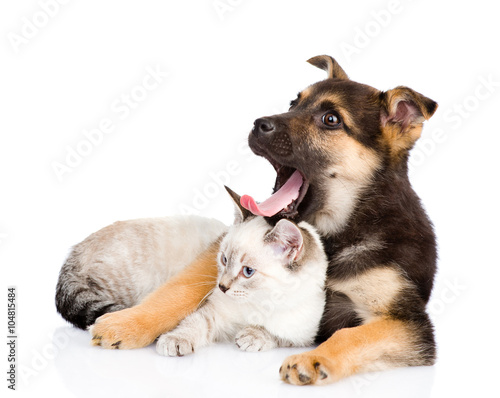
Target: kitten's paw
171 345
123 329
253 339
306 369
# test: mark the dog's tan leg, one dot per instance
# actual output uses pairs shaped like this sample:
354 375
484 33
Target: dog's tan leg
380 344
162 310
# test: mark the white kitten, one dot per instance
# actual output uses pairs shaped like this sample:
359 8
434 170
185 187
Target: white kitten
270 290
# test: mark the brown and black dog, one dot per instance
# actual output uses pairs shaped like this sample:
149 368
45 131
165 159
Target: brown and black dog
350 142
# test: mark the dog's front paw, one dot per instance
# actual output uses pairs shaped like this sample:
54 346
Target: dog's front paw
306 369
172 345
123 329
253 339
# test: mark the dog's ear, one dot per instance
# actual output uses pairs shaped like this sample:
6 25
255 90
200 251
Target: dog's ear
329 65
405 106
402 116
240 213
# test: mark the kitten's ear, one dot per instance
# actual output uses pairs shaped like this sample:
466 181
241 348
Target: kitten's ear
240 213
286 239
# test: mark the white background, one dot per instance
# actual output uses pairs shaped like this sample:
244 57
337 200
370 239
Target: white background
226 67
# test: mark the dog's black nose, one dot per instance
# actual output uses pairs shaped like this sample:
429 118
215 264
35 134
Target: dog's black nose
223 288
263 126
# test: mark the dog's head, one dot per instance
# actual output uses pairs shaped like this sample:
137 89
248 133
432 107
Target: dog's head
337 133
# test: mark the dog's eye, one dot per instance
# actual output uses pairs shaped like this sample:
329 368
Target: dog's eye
331 120
223 259
248 272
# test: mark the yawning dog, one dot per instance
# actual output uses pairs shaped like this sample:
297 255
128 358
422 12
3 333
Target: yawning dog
341 158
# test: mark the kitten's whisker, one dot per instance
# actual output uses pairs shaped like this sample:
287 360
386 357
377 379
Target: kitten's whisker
200 284
208 276
205 297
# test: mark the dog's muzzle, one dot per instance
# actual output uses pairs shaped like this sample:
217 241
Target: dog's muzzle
275 140
263 127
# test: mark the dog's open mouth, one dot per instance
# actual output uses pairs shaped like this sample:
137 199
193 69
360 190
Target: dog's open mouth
290 188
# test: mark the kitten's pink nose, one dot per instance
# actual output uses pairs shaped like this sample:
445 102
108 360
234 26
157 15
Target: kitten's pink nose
223 288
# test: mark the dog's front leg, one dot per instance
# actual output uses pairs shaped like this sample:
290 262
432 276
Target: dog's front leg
380 344
162 310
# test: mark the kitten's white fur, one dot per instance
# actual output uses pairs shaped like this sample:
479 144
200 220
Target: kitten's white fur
280 305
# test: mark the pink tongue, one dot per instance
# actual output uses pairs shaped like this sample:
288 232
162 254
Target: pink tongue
278 201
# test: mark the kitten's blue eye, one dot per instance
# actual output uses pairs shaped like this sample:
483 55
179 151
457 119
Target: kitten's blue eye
248 272
223 259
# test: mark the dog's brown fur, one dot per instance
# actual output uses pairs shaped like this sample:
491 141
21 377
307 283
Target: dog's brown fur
162 310
351 143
